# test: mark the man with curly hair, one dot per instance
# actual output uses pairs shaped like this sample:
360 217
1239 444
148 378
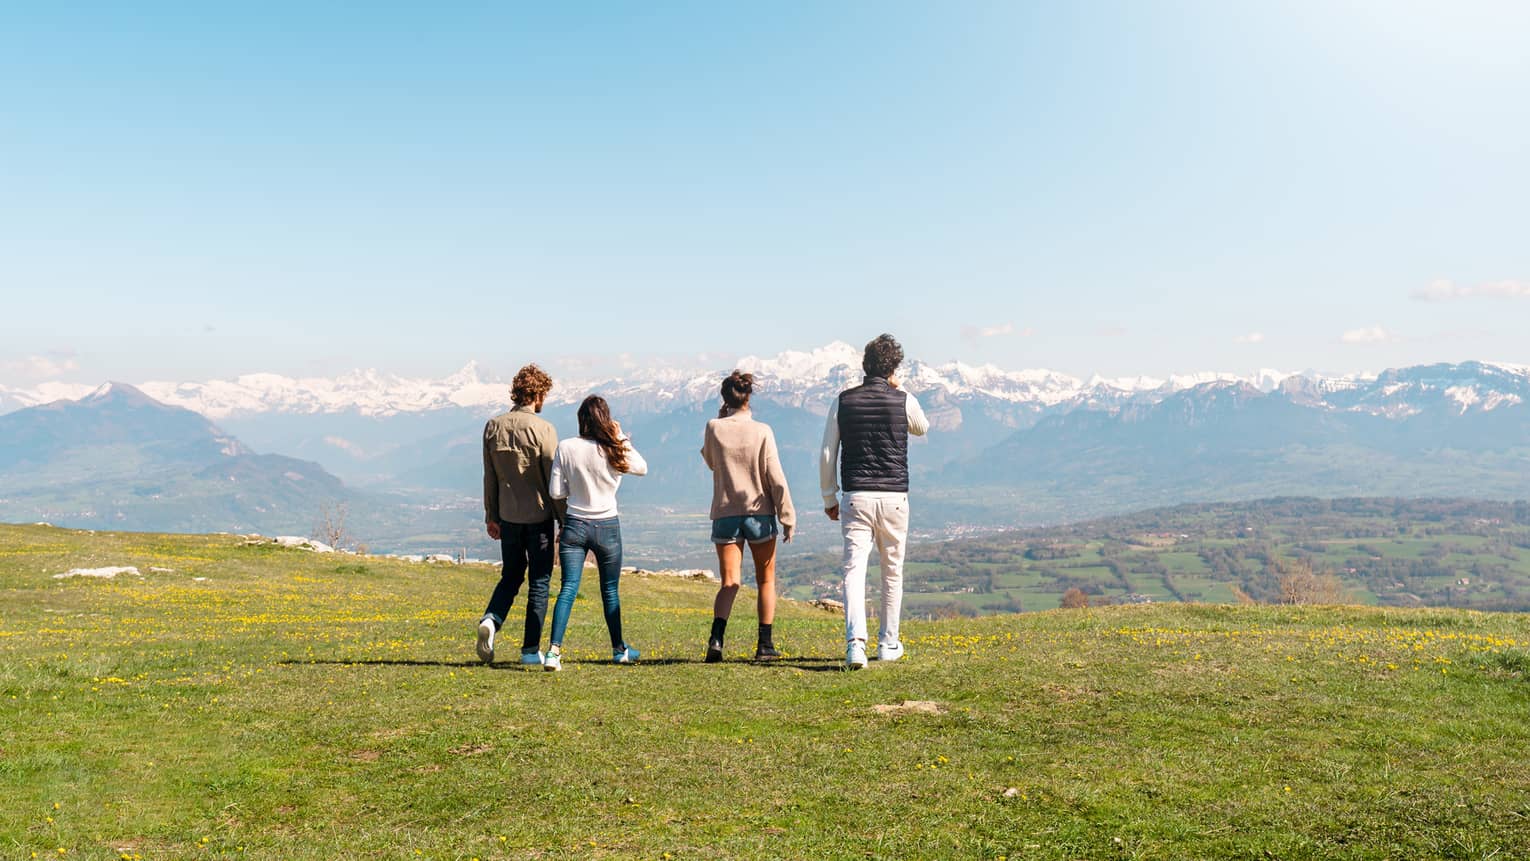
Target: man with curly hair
871 424
519 512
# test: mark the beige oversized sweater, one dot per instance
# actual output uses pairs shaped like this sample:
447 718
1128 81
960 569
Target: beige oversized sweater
746 471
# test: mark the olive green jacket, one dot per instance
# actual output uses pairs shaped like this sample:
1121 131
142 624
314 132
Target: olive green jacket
518 450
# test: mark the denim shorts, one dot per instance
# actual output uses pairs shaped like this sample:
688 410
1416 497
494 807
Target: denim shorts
754 528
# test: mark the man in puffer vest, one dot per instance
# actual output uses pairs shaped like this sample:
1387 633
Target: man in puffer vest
865 454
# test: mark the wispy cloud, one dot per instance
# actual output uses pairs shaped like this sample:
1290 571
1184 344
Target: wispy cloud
1443 290
40 367
1250 338
973 333
1368 335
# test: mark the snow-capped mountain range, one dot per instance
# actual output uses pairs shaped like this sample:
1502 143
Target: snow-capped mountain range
1006 447
802 378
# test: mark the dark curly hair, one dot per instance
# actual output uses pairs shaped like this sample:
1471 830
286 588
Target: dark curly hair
883 356
531 384
736 389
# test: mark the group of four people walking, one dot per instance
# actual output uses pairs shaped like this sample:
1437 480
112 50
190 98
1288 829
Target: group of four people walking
546 499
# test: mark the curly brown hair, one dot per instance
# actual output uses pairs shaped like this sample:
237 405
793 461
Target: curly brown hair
531 385
883 356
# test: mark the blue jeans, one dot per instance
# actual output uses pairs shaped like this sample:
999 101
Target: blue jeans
525 548
604 539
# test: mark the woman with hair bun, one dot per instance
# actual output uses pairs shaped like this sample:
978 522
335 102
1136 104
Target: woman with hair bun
586 471
750 504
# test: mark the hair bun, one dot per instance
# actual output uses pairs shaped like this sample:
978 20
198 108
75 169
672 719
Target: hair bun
744 382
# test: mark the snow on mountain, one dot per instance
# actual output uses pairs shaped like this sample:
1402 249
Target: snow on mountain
44 393
809 379
369 392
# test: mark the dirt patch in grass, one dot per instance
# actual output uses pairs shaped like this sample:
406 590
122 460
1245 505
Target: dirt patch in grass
911 707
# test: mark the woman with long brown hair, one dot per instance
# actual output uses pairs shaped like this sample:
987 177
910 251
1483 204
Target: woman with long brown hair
586 471
750 504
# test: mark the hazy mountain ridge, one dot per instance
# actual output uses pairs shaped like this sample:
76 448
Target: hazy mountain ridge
809 380
808 377
1007 448
119 458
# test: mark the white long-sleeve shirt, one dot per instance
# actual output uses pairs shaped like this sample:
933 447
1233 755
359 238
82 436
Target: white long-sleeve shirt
581 475
828 457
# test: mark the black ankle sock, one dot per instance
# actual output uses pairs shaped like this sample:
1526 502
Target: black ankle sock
765 637
718 627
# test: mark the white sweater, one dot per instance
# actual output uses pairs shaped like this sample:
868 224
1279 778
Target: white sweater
581 475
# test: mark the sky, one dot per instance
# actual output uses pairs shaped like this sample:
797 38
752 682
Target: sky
191 190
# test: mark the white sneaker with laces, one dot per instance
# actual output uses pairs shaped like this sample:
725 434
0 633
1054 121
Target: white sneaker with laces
486 640
554 661
532 659
890 651
855 655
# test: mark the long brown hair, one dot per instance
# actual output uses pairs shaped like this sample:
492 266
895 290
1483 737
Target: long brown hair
595 424
736 389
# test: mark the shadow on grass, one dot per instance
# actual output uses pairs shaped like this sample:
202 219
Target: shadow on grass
389 663
812 665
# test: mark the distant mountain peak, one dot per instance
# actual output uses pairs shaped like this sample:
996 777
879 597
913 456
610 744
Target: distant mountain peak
119 393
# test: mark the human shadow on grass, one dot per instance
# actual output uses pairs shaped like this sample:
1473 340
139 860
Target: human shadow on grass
385 662
812 665
809 664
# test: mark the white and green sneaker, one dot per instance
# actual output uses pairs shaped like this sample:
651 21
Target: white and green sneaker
554 660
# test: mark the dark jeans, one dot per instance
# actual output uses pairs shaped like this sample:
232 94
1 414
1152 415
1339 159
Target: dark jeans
524 546
604 539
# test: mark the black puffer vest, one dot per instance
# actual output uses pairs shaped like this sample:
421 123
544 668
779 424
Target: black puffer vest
873 430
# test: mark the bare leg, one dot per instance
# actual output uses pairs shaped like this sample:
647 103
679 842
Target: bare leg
730 562
765 578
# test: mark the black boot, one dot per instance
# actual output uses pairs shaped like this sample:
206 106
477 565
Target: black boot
766 649
715 642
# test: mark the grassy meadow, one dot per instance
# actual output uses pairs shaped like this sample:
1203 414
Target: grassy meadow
258 702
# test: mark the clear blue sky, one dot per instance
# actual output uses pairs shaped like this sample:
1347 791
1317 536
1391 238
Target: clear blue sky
194 190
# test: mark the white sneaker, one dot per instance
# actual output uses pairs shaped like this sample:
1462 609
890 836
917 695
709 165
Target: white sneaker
855 655
532 659
486 640
553 662
890 651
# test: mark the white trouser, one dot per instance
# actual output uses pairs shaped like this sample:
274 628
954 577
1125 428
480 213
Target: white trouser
877 520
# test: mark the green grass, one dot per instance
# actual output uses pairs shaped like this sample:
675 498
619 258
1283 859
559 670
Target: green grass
294 705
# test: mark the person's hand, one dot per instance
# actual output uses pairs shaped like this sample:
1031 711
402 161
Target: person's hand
493 530
786 534
832 511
